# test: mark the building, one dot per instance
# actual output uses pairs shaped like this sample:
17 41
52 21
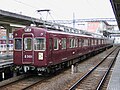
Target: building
96 26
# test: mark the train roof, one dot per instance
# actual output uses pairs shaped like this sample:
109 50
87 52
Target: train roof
92 35
61 32
55 28
66 31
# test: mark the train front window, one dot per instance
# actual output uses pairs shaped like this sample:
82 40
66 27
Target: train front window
39 43
18 44
28 44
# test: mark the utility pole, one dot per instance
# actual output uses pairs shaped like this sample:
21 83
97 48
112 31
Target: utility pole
73 20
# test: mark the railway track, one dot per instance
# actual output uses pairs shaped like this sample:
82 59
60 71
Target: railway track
24 83
27 82
93 79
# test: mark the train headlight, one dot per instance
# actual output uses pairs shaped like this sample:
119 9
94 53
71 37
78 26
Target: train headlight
40 56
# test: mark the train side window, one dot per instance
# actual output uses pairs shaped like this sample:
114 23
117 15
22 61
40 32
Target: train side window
56 44
102 41
76 42
85 42
28 44
18 44
73 43
63 43
80 42
70 43
50 44
92 42
89 40
95 42
99 42
39 44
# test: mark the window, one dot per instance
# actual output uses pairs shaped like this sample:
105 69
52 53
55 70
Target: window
76 42
18 44
99 42
39 44
56 45
73 43
92 42
96 42
80 42
89 44
102 42
63 43
27 44
70 42
85 42
50 44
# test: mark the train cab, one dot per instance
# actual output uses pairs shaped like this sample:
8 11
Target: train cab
30 47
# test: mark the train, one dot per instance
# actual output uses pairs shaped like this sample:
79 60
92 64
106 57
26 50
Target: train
45 49
3 46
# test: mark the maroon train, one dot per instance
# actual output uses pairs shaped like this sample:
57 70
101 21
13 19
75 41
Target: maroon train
43 49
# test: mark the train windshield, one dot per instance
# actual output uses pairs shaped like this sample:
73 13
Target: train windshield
28 44
39 44
18 44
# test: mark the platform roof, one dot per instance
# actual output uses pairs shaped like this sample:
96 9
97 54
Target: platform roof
116 8
7 17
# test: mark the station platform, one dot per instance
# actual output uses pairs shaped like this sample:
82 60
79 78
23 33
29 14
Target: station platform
114 82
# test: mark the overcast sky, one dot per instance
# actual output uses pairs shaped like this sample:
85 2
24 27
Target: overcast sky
60 9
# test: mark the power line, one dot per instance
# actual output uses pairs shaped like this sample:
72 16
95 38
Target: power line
30 6
35 9
25 4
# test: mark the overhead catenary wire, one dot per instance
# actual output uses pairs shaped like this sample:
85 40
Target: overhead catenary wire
28 5
25 4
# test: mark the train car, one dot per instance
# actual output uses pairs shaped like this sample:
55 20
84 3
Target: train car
43 49
3 45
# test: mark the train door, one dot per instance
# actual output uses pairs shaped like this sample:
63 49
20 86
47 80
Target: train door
50 49
27 54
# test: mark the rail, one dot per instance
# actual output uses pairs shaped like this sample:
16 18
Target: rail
102 80
74 86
